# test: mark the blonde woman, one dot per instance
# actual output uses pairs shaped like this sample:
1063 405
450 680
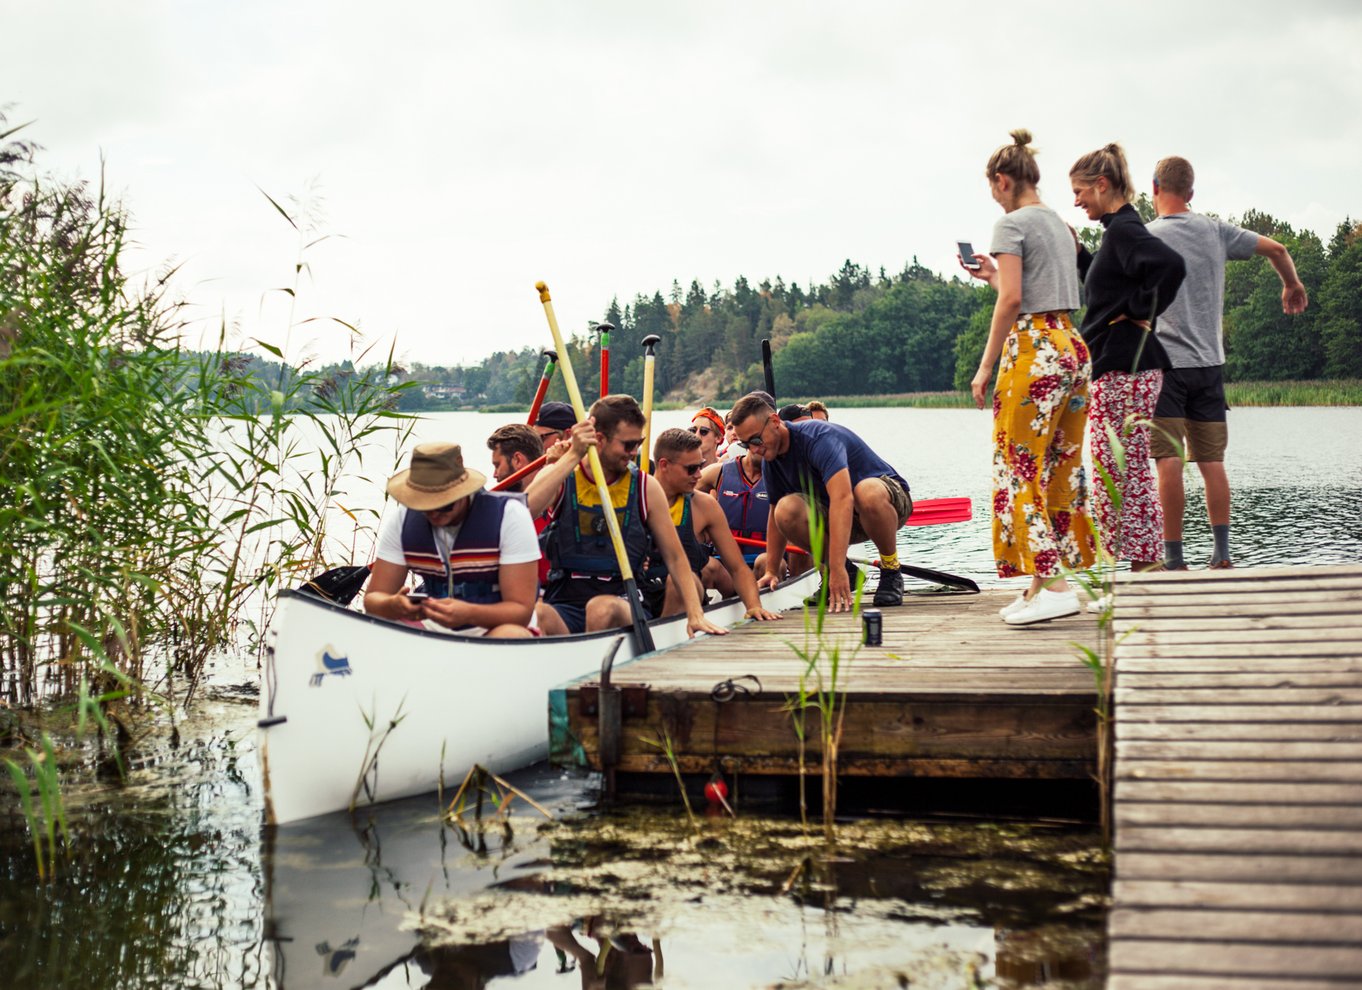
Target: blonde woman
1132 278
1040 404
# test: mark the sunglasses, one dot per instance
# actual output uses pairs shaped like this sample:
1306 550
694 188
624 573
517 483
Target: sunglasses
630 446
444 508
703 431
693 468
755 441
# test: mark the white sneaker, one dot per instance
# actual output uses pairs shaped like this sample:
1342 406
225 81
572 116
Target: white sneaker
1099 604
1015 604
1044 606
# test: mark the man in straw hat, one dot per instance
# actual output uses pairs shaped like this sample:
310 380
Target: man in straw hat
475 550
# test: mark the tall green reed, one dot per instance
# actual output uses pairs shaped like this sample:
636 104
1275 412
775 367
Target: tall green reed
821 685
152 497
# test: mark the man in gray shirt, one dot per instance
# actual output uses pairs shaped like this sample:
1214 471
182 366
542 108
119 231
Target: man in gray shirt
1191 408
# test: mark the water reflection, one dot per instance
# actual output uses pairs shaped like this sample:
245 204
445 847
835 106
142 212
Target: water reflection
640 898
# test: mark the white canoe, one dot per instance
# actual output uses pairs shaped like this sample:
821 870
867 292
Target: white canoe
355 710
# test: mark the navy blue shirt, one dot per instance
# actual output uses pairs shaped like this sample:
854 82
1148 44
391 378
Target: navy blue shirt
818 450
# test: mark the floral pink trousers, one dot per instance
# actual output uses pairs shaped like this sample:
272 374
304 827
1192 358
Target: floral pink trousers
1123 404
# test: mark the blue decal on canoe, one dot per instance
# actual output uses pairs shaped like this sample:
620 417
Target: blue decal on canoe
329 663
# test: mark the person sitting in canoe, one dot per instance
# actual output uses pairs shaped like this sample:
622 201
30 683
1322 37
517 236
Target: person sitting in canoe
739 488
585 587
553 422
700 524
858 494
707 425
514 447
474 550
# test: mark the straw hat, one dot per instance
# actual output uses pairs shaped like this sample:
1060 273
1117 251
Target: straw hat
436 478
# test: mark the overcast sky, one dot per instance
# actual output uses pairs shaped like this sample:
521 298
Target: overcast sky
466 150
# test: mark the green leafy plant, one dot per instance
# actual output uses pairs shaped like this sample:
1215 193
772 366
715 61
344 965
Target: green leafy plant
821 685
45 816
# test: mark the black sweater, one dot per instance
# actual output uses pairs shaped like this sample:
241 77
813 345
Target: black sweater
1133 274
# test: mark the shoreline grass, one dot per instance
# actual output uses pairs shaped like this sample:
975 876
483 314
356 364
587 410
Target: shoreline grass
1322 392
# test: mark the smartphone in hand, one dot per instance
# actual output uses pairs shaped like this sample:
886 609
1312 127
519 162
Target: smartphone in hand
417 596
967 254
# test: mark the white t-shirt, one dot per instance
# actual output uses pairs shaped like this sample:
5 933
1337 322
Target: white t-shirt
519 543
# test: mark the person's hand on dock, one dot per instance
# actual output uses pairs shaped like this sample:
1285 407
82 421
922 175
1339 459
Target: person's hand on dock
762 615
839 589
699 624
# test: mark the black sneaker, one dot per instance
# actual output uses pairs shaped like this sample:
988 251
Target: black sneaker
890 591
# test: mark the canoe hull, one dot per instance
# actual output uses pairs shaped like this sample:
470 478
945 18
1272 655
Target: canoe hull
356 710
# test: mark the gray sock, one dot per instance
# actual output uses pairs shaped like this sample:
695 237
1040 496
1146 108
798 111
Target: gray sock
1222 543
1172 554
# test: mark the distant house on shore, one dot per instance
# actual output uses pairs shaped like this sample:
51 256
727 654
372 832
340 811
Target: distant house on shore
444 393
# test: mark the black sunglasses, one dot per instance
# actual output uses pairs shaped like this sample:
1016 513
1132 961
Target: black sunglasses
703 431
631 445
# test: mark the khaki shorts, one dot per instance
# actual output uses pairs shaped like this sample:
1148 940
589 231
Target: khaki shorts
1190 416
898 497
1201 441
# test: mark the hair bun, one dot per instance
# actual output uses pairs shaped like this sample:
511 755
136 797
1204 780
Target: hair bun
1021 136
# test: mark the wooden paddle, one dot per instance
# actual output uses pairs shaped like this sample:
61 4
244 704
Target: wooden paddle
767 369
649 359
642 635
543 389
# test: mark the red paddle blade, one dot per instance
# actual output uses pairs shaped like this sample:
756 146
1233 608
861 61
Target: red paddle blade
930 511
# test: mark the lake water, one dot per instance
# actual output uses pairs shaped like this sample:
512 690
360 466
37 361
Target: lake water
173 882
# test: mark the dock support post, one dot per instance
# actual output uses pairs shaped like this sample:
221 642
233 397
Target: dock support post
610 716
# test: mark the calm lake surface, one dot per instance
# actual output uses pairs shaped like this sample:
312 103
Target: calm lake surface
173 882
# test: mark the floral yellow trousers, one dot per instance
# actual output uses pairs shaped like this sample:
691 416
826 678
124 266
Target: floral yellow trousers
1041 522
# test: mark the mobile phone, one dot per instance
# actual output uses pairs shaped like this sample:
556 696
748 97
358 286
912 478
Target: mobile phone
417 596
967 254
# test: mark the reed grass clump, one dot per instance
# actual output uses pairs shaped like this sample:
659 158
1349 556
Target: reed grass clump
150 495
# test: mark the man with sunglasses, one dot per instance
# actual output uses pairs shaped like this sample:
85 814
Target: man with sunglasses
855 491
700 523
585 586
475 550
709 427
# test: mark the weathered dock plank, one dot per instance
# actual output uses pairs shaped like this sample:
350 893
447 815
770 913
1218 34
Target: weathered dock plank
953 692
1238 790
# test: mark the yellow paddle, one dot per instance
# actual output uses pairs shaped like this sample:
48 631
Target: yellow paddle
642 634
649 359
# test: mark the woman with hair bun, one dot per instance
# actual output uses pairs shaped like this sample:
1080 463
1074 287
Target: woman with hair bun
1040 403
1132 278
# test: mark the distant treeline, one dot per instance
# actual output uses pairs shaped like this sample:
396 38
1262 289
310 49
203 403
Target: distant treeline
866 333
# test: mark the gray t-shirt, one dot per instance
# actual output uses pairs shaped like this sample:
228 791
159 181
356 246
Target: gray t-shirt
1049 259
1190 329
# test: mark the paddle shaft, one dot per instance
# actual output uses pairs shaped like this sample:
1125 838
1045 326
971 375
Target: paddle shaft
605 329
543 386
923 573
649 360
767 370
612 523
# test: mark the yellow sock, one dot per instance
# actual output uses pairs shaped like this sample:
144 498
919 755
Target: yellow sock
890 561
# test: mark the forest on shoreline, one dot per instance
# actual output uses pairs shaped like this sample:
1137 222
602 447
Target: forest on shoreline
884 336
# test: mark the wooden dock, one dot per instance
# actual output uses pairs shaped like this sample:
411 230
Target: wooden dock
1238 798
953 692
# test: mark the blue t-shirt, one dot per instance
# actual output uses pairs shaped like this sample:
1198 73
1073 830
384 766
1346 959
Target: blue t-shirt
818 450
